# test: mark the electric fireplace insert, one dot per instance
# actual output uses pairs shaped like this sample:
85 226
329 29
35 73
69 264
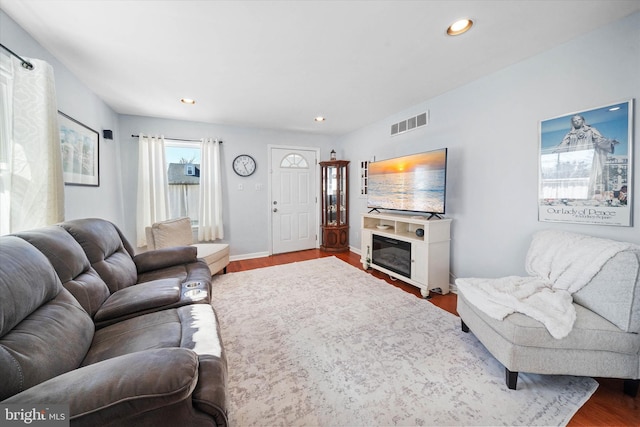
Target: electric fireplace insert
392 254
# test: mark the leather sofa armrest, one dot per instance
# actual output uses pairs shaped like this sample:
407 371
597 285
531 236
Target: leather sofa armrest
211 396
165 257
121 388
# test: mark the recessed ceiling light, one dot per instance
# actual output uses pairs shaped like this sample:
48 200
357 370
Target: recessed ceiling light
319 119
459 27
188 101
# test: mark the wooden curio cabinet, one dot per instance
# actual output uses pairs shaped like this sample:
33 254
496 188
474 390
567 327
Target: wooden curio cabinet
335 205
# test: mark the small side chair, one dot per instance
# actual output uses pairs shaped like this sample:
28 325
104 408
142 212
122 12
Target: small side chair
178 232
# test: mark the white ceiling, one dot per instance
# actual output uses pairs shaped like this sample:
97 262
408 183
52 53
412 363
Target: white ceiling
278 64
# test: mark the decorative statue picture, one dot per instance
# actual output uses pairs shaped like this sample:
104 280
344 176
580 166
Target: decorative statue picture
585 166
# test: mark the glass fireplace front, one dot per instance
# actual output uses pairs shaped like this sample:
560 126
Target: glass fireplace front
392 254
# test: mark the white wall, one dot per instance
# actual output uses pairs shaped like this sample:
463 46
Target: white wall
75 100
246 211
491 129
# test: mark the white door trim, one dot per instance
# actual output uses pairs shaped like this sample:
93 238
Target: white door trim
316 169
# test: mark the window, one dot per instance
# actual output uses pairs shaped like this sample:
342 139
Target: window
183 177
294 161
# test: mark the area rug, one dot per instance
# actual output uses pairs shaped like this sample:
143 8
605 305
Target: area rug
322 343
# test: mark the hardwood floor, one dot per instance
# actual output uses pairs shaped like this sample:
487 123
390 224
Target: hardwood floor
608 406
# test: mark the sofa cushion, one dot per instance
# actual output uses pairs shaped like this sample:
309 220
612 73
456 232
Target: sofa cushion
590 332
44 332
177 327
71 265
614 293
107 250
137 299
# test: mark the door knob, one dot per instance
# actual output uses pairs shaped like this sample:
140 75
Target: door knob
275 209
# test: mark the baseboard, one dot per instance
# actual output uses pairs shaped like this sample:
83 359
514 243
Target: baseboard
248 256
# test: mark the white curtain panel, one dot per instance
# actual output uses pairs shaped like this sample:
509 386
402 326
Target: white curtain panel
31 181
210 210
153 189
183 201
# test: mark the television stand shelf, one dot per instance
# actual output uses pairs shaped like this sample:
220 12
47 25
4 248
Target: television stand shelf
424 260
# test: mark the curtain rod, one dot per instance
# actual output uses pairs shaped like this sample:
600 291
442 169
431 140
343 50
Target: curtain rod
176 139
25 64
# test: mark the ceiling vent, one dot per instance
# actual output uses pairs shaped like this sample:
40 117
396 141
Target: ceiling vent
411 123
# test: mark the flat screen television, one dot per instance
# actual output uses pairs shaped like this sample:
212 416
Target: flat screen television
415 183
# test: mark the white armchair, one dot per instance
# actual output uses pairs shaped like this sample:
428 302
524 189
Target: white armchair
600 281
178 232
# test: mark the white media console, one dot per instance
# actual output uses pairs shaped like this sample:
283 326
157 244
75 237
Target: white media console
395 245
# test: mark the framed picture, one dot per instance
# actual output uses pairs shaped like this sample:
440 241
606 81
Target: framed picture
585 166
80 152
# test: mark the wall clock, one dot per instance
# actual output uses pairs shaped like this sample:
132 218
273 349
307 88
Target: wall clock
244 165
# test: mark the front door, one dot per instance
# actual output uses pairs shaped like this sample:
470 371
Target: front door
293 200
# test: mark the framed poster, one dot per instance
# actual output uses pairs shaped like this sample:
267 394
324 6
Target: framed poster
80 152
585 166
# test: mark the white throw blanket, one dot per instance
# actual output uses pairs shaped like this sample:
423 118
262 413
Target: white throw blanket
559 263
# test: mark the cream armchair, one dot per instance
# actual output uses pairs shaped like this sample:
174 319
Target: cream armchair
603 341
178 232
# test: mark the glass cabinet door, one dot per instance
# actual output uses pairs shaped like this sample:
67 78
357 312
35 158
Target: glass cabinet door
341 181
332 191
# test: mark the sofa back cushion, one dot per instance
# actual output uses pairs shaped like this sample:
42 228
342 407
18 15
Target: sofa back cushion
108 251
614 292
44 331
71 265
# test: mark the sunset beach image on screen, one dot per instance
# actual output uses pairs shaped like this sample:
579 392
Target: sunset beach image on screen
416 183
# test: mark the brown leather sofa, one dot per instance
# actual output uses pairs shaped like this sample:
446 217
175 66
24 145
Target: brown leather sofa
123 339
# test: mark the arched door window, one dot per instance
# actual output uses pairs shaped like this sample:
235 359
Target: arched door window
294 161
